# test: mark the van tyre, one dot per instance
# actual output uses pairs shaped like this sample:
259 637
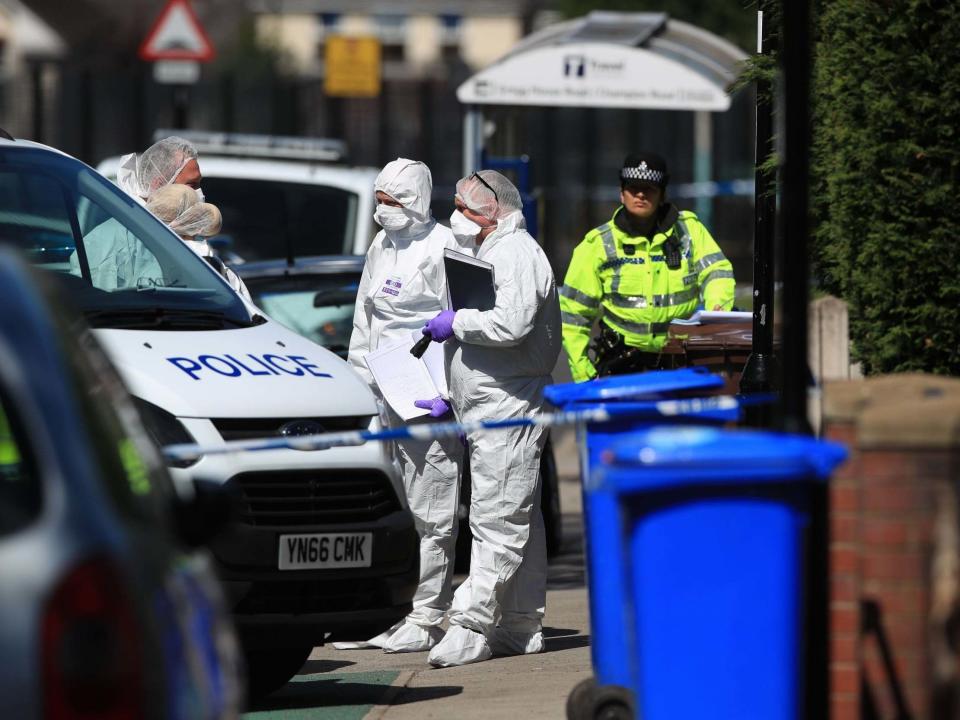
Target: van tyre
269 669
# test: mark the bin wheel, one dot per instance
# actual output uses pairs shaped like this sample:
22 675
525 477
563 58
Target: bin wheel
612 702
580 700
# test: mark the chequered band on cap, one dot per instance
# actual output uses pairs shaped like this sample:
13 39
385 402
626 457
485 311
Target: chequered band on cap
642 172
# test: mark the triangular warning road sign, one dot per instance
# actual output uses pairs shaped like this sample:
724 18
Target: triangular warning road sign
177 35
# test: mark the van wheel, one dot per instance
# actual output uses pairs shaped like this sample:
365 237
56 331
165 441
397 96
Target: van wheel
269 669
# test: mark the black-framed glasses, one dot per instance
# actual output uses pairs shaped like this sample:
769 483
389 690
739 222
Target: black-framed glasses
485 184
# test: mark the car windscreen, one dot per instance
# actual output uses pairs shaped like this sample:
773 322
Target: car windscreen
269 219
318 307
119 265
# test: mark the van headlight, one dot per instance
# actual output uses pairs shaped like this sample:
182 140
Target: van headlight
165 429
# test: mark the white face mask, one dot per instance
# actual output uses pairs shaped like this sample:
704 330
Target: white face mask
392 219
200 195
464 229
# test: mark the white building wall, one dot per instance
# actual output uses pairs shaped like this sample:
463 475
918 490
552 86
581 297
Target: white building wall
485 39
423 41
24 37
296 35
482 39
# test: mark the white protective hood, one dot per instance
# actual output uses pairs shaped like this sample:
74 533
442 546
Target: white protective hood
408 182
264 371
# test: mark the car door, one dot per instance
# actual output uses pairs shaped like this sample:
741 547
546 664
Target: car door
199 647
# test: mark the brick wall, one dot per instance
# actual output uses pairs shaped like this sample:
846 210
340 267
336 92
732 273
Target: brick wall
845 559
894 549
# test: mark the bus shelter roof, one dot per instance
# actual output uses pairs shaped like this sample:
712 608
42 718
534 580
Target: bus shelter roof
612 60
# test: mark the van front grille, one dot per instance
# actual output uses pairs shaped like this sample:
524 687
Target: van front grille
314 497
250 428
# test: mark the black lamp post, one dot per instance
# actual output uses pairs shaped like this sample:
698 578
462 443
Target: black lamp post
760 374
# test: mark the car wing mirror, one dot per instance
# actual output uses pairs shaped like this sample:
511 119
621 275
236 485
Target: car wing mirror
216 263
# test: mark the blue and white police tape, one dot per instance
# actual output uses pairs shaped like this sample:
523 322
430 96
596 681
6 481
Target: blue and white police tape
722 407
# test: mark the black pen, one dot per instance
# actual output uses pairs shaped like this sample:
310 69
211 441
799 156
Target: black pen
420 347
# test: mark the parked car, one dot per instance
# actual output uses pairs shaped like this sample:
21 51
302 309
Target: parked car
315 296
276 192
107 609
206 366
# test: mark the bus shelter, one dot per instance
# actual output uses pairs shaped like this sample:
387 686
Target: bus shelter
635 61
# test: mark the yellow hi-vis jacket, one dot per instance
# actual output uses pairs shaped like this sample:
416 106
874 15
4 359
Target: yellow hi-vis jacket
626 281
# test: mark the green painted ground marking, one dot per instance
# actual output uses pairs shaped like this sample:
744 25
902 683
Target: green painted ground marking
325 696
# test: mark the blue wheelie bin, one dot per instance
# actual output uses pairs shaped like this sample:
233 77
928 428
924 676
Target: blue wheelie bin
632 400
711 530
635 402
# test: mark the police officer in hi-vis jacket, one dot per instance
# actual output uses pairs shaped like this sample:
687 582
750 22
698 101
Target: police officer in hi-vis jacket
650 263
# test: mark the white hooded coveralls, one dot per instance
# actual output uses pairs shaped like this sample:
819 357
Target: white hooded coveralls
411 261
497 367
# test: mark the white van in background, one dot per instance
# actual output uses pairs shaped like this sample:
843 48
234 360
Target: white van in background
281 197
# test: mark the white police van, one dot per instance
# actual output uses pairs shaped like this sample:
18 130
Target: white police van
281 197
324 541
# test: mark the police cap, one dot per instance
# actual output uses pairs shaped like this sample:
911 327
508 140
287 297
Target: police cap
644 167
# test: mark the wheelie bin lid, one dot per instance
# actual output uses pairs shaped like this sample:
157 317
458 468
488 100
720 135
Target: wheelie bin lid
655 384
671 456
707 409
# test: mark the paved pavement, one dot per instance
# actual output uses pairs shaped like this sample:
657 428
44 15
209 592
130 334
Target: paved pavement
372 685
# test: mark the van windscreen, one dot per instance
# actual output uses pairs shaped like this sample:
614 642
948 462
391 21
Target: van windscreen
119 264
269 219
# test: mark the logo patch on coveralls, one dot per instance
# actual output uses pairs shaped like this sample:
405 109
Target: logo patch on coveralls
391 286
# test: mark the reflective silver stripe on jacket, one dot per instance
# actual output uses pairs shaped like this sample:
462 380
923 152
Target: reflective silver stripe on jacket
634 327
638 302
577 296
610 247
571 319
677 298
626 301
708 260
715 275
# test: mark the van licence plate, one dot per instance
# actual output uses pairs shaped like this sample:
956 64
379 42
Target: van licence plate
329 550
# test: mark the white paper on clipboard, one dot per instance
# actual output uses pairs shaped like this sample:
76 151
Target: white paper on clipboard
404 379
710 317
433 358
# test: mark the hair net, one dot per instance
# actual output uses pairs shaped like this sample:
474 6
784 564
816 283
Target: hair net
202 219
158 166
409 183
179 207
489 193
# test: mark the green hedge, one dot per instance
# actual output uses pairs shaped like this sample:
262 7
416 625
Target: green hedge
885 169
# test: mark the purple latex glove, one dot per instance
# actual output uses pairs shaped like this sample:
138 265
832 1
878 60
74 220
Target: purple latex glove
438 407
440 328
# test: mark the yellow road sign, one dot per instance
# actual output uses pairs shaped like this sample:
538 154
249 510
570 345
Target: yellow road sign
352 66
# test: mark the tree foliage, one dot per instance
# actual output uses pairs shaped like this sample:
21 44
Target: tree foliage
885 169
253 56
